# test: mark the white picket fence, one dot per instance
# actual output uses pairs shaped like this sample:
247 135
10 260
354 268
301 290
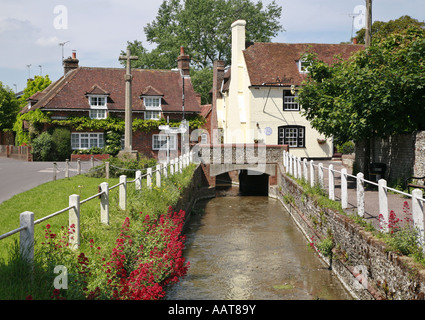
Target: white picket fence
27 223
309 171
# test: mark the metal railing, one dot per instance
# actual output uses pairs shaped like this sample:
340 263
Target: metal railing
27 223
309 171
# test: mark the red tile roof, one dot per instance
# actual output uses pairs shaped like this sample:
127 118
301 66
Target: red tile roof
268 62
69 92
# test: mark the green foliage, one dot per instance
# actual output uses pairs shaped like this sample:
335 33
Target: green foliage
378 92
201 81
382 29
9 108
203 28
61 138
42 147
346 148
38 84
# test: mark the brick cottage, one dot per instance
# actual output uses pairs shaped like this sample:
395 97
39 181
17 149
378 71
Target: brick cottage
99 93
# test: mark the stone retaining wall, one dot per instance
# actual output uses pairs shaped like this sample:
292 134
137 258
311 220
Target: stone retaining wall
383 274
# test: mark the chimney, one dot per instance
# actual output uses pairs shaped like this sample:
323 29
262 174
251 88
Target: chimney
218 77
238 42
354 40
70 63
183 62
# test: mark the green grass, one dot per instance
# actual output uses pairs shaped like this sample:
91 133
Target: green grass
16 281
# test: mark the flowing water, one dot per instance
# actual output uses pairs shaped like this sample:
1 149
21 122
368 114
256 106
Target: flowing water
249 248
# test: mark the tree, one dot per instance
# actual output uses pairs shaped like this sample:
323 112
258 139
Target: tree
9 108
203 28
382 29
38 84
378 92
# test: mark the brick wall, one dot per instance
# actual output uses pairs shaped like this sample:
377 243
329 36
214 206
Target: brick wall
403 155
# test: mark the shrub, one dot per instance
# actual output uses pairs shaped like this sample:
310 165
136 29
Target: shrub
42 147
61 144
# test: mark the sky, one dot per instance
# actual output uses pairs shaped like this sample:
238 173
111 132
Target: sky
31 31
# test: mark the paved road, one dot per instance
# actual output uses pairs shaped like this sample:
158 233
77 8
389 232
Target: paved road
17 176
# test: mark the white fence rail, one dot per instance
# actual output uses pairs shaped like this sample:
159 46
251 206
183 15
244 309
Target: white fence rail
309 170
27 223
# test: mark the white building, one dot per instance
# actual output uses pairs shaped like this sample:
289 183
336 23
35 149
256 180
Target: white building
254 98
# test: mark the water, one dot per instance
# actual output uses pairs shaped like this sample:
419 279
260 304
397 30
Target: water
249 248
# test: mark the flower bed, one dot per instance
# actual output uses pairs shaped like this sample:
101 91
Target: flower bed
87 157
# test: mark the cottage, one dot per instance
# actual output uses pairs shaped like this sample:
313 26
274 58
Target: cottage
99 93
254 99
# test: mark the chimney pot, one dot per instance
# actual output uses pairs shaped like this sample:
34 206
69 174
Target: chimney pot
354 40
182 51
74 54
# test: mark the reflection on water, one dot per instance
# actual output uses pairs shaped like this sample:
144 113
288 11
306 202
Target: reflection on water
249 248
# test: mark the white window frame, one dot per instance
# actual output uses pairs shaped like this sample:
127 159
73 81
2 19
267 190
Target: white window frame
289 103
152 102
97 109
87 140
153 115
156 145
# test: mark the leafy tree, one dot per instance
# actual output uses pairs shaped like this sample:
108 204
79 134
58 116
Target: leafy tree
382 29
38 84
377 93
9 108
203 28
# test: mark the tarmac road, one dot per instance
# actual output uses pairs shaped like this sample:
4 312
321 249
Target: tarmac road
17 176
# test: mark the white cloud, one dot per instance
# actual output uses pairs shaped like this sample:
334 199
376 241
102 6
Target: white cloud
47 41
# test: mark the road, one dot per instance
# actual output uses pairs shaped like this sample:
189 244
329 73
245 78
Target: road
17 176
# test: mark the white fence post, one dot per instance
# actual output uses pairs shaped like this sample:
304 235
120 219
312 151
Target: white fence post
383 204
107 169
176 165
26 237
299 168
54 170
158 175
74 220
171 167
123 192
149 178
331 182
360 194
104 203
78 166
312 174
305 170
165 170
418 214
138 181
67 168
180 164
321 176
344 192
91 161
290 166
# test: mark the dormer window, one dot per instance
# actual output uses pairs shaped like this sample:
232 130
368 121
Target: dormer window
97 98
152 101
98 107
303 66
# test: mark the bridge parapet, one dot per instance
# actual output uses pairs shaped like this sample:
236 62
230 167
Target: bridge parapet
239 153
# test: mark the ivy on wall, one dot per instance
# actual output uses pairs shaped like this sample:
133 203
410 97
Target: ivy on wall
36 120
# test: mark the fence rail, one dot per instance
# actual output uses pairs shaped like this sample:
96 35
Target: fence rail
27 223
309 171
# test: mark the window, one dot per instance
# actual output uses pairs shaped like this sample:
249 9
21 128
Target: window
159 142
152 102
289 103
152 115
293 136
98 114
97 107
87 140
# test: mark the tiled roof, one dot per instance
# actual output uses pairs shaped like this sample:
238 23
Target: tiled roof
150 91
269 62
69 92
97 90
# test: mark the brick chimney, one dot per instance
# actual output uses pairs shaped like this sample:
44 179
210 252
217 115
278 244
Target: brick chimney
70 63
183 62
218 77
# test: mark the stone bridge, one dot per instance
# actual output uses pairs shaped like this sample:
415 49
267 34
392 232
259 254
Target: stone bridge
254 166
